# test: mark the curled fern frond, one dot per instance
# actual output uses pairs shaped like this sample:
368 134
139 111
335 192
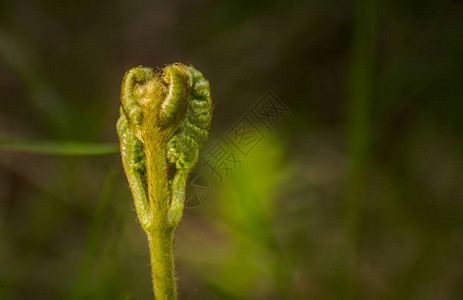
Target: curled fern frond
165 119
184 146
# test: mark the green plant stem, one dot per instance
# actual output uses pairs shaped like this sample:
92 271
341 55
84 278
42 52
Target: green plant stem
160 234
157 179
360 93
162 263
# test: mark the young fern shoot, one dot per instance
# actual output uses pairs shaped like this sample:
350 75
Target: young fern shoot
165 118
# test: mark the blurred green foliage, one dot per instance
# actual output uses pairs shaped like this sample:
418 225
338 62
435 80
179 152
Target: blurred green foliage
250 260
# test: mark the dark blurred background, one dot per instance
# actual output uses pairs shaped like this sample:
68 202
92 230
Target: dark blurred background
356 194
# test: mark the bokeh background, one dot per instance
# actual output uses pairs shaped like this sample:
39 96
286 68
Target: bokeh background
357 194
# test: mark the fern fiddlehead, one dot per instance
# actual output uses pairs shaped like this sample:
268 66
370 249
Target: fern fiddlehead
164 121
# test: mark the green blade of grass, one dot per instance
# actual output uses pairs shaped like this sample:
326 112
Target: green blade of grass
359 123
58 147
94 240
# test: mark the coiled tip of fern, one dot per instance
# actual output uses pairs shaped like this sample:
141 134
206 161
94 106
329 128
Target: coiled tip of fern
172 107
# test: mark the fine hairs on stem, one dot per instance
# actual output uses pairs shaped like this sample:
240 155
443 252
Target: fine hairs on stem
165 118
